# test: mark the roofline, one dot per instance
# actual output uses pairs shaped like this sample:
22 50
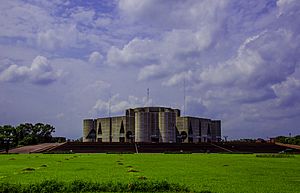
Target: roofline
196 117
153 107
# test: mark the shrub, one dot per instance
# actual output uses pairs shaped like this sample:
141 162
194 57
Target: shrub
86 186
10 188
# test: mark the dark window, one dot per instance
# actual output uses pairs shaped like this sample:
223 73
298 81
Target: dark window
154 139
183 135
122 139
200 128
190 129
99 129
208 130
122 128
190 139
129 136
199 140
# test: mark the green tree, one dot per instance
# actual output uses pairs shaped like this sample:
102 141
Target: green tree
7 136
26 134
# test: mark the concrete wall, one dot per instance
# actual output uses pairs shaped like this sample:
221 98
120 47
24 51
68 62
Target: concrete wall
216 130
200 127
205 124
181 125
193 123
142 133
105 127
167 123
88 126
116 126
110 128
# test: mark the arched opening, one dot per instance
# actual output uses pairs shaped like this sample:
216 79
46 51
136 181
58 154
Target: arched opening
200 132
208 133
154 139
99 136
190 140
99 129
122 135
183 136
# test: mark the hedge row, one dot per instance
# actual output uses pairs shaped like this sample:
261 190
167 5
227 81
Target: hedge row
54 186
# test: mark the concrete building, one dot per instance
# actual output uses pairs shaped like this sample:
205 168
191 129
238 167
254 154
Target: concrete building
152 124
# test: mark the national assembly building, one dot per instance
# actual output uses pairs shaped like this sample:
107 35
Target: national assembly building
152 125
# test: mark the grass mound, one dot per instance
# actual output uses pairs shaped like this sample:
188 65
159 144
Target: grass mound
132 170
28 169
85 186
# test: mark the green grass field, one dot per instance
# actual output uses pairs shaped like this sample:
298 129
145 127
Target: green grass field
213 172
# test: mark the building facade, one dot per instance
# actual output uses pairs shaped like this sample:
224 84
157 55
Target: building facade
152 124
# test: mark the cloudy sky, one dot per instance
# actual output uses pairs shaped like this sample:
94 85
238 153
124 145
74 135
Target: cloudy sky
62 61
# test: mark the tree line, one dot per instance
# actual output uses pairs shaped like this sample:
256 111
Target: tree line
288 140
25 134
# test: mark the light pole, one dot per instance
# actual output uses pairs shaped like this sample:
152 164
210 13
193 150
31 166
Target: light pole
225 137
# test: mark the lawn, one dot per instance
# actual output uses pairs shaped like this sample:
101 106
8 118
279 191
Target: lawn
213 172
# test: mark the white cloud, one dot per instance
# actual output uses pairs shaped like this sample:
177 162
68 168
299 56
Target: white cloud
101 107
137 52
238 57
58 27
284 5
40 72
60 36
83 16
287 92
171 14
183 35
258 62
20 19
95 57
178 78
152 71
161 57
186 41
103 22
233 71
115 105
14 73
99 85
